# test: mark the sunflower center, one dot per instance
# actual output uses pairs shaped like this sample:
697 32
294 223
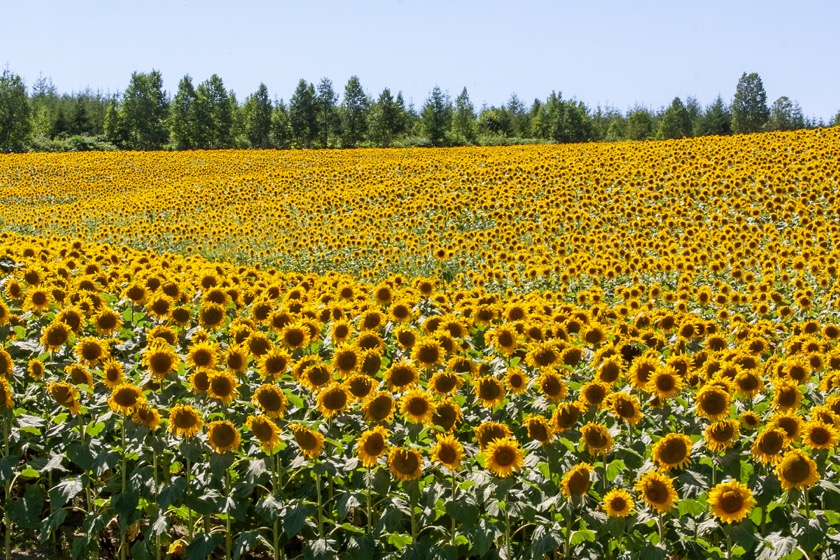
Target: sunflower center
595 394
418 406
406 462
489 390
428 354
56 337
374 444
579 482
160 362
294 337
224 435
222 386
731 501
346 361
596 439
656 492
318 375
445 382
625 409
545 357
185 419
771 443
202 357
610 372
380 408
444 417
505 339
490 433
819 435
270 401
126 397
335 400
787 397
713 403
537 431
568 416
551 386
262 430
665 383
722 432
447 454
402 376
504 456
306 440
212 315
618 504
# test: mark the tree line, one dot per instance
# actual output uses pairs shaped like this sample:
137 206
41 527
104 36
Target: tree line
209 116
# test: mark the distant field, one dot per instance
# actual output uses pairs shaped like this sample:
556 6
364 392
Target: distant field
579 351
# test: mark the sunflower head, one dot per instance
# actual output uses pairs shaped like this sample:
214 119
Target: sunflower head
271 400
672 452
796 469
504 456
618 503
712 402
417 406
265 430
333 400
565 416
222 436
125 398
722 435
147 416
372 444
311 442
447 414
657 490
448 451
769 445
576 482
489 391
402 375
184 421
817 434
731 501
405 464
488 432
6 400
379 407
539 428
597 438
222 386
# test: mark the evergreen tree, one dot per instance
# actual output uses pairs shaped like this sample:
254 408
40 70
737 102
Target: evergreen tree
213 115
15 124
385 119
281 126
562 121
675 121
182 115
354 113
303 115
640 124
519 117
328 119
749 108
464 124
257 116
115 131
80 123
715 120
835 120
436 117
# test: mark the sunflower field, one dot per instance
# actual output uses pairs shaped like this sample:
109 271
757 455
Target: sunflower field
579 351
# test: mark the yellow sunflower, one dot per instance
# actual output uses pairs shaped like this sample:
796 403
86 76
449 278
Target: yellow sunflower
576 482
551 385
184 421
147 416
90 351
5 394
310 442
35 368
565 416
664 382
405 464
372 445
202 355
769 445
160 360
618 503
265 430
657 490
539 428
55 336
427 352
731 501
333 400
516 380
796 469
63 394
487 432
417 407
379 407
402 375
721 435
271 400
597 438
448 451
273 364
817 434
223 436
222 386
504 456
445 382
625 406
712 402
672 452
125 398
489 391
447 414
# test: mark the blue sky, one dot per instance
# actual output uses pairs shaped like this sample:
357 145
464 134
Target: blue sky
619 53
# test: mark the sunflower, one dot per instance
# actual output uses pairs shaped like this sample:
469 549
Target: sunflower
200 380
184 421
448 451
211 315
147 416
334 399
90 351
294 336
576 482
346 360
5 394
372 445
552 385
273 364
749 420
360 386
401 375
417 407
487 432
542 355
311 442
672 452
539 428
65 395
159 305
222 436
271 400
787 395
427 352
405 464
769 445
594 393
817 434
405 336
125 398
625 406
610 370
641 371
55 336
162 332
721 435
202 355
657 490
731 501
565 416
796 469
37 300
712 402
266 431
315 376
107 322
160 360
503 339
6 364
748 383
504 456
446 415
379 407
790 422
516 380
665 382
236 358
445 382
79 375
35 368
596 437
489 391
618 502
222 386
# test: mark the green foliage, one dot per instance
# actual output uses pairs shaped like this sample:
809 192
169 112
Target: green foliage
328 121
463 120
182 115
436 117
562 120
675 121
785 115
213 115
386 119
144 112
640 124
257 118
354 114
715 120
15 126
749 108
303 115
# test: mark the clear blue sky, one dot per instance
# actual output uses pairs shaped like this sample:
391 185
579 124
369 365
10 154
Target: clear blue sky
618 53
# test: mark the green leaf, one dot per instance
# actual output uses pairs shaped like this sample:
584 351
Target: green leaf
26 510
295 518
614 468
269 508
775 547
172 492
245 543
29 473
105 462
80 455
81 547
582 536
125 504
65 491
54 464
202 546
7 467
255 470
399 540
689 507
345 503
140 550
52 523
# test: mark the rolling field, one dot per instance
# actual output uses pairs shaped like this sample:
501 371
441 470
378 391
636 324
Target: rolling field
620 350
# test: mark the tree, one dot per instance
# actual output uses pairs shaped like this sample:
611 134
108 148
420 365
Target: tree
115 130
835 120
495 121
257 118
328 119
386 119
15 125
675 121
354 113
640 124
144 111
281 127
436 117
562 121
303 115
715 120
519 117
213 115
749 108
463 119
785 115
182 115
80 123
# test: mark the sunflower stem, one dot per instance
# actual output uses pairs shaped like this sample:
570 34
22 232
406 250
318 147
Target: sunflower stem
190 527
807 506
728 544
122 491
157 489
660 523
507 525
228 537
567 546
7 522
320 505
369 509
454 490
